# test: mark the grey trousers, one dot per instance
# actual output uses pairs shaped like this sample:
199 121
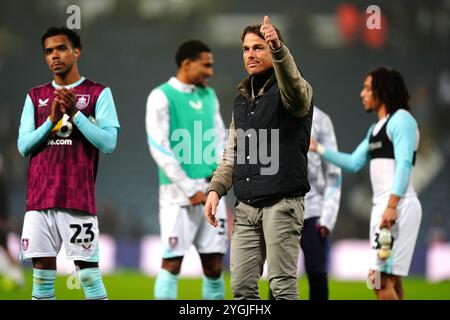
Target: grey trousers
273 232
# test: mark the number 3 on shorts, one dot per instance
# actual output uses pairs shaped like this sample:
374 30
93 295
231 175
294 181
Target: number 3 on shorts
78 228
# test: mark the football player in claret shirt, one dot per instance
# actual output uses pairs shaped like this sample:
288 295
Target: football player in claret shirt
63 126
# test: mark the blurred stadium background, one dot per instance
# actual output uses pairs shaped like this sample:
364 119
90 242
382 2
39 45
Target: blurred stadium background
129 46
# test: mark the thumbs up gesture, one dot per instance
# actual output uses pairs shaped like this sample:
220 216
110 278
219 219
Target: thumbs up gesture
270 34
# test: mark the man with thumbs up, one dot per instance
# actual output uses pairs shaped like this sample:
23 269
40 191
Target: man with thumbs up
272 111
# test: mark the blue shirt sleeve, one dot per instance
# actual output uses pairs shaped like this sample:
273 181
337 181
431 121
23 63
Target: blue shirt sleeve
105 110
402 130
30 137
350 162
103 134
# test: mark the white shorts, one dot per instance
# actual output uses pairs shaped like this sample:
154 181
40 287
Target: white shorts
183 226
45 231
404 232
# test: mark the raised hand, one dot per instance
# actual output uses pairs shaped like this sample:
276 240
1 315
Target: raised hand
270 34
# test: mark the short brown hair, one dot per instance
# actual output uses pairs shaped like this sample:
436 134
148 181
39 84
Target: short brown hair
255 28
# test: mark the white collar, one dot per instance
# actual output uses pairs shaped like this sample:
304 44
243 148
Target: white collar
379 125
181 86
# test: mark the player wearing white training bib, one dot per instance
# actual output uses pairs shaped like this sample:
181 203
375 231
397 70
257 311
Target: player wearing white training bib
186 134
390 146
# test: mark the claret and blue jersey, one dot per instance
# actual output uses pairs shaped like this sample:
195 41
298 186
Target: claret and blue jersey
63 166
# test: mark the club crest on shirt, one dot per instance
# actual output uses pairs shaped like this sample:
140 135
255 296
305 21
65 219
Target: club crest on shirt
82 101
43 103
25 244
173 241
196 105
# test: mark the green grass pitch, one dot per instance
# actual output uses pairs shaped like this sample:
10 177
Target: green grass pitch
130 284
